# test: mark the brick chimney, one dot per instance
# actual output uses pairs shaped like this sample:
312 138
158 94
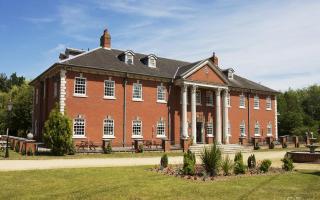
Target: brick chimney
105 39
214 59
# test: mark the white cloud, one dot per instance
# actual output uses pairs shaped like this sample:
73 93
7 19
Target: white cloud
57 49
36 20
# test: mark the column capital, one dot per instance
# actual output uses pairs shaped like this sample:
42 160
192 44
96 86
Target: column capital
218 91
194 88
184 87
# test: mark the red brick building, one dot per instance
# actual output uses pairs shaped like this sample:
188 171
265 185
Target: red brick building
122 96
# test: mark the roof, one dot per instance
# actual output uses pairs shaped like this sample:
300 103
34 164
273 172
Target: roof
110 59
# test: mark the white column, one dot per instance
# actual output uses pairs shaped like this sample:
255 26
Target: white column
193 114
275 117
225 116
63 83
218 116
184 122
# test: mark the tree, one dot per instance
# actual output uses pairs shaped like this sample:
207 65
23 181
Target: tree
57 133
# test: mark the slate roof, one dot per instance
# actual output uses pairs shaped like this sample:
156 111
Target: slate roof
110 59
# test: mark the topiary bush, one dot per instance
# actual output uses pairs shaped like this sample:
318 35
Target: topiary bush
287 164
57 133
252 161
211 159
164 161
226 166
189 162
239 167
265 165
107 149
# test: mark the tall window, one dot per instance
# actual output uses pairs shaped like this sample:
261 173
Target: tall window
209 98
79 127
137 91
256 103
228 100
210 128
269 129
136 128
268 103
161 128
80 86
242 128
161 93
55 89
229 128
109 89
198 97
257 129
108 127
129 58
242 101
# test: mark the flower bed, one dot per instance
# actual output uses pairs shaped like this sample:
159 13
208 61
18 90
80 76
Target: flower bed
201 175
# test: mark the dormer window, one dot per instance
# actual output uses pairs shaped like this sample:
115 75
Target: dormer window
230 73
129 55
152 61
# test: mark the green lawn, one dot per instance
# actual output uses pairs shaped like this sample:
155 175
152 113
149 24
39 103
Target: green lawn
15 156
137 183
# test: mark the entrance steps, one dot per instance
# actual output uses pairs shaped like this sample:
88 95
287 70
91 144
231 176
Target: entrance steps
225 148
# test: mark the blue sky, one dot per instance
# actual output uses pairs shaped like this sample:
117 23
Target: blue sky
276 43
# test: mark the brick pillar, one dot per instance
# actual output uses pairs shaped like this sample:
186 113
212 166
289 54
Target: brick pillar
166 145
269 139
185 144
136 144
295 140
210 139
242 140
283 140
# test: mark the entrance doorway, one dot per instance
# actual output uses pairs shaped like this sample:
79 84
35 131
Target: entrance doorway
199 132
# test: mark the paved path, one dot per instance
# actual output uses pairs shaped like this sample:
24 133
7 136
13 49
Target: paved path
12 165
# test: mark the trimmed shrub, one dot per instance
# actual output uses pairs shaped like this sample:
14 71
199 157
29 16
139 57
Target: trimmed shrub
252 161
239 167
57 133
226 166
287 164
107 149
164 161
140 148
271 145
189 162
211 159
265 165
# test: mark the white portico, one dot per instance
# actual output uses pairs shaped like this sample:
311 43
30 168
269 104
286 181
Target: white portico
221 110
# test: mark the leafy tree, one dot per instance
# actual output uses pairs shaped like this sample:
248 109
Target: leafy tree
57 133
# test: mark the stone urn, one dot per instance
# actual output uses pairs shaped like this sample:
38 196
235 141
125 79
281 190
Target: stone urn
30 136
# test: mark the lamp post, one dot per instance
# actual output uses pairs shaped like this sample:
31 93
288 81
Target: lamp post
7 146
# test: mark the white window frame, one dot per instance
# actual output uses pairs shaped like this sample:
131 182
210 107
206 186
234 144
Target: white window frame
105 89
152 64
55 89
131 56
209 129
75 87
161 129
198 97
268 103
242 101
209 98
74 128
161 91
257 129
228 100
242 129
106 125
269 129
256 102
133 92
229 128
134 125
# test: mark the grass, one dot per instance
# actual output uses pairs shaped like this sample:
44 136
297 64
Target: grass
138 183
16 156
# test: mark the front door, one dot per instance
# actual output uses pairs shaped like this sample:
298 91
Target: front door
199 132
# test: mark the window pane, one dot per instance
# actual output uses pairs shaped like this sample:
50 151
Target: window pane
78 126
161 128
108 127
161 95
80 86
136 128
137 91
109 88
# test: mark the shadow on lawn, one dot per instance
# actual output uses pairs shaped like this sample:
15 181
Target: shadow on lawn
315 173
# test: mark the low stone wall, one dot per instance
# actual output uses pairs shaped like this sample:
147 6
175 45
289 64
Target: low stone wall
304 156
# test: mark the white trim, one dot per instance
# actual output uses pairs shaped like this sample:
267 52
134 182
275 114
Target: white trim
136 136
158 101
79 95
78 136
63 90
134 98
190 83
108 137
161 136
84 128
109 98
82 54
85 86
103 124
210 135
275 117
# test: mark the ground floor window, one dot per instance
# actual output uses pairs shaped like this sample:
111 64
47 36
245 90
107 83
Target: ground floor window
108 127
161 128
136 128
242 129
210 128
79 127
269 129
257 129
